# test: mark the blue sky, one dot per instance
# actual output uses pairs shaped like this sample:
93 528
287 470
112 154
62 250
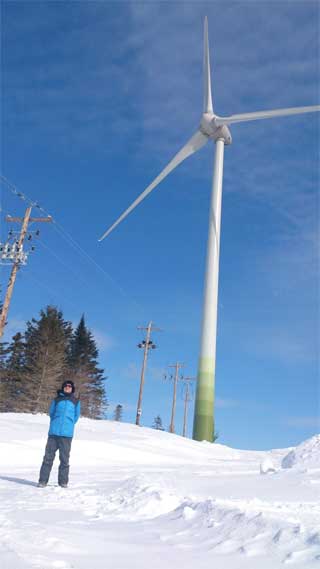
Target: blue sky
97 98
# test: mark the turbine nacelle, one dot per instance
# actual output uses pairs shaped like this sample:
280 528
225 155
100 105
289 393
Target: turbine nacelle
214 131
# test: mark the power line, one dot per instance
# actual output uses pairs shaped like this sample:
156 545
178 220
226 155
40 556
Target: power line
30 274
65 265
73 243
69 239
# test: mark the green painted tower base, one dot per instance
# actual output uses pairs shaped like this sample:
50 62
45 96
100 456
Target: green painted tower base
203 423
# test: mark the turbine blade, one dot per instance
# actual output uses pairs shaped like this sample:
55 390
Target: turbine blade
245 117
207 99
195 143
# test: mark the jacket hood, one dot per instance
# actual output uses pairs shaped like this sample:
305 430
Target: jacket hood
68 382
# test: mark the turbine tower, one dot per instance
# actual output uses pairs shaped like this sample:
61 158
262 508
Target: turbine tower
215 128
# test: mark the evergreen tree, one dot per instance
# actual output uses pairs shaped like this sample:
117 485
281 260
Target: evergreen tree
89 378
3 370
15 369
46 365
215 436
117 414
157 423
4 395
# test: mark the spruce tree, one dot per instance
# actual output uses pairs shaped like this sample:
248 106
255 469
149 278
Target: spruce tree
157 423
117 414
46 365
89 378
4 395
3 373
15 370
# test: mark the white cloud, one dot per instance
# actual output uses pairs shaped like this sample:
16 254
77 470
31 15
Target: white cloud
279 342
303 422
125 80
103 340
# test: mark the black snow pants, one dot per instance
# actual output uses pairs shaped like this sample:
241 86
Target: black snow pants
53 444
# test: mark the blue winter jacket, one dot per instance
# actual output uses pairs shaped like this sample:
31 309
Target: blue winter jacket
64 413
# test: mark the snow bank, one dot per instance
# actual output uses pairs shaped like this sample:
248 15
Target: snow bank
137 498
143 498
267 466
305 455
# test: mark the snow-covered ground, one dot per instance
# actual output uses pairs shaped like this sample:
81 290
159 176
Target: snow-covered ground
140 498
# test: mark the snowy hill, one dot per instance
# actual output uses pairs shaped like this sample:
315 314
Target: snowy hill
140 498
305 455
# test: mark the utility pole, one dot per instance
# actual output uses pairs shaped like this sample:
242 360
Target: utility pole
146 344
187 398
17 256
177 367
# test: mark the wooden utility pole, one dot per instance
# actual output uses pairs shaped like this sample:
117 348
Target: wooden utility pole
177 367
18 259
187 398
146 344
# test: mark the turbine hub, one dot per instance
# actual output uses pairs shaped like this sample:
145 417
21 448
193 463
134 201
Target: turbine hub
209 128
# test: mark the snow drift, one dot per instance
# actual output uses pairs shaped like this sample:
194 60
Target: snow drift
306 455
140 498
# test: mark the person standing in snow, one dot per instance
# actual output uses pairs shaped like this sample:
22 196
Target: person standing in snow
64 413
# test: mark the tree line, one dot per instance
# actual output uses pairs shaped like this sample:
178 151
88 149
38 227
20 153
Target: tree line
35 363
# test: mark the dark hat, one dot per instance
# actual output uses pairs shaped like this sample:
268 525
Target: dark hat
68 382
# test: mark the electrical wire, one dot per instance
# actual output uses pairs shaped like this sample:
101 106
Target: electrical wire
60 260
63 233
30 274
69 239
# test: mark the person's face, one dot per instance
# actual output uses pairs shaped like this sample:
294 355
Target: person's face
67 388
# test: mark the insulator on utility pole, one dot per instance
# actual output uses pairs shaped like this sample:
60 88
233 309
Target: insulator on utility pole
16 254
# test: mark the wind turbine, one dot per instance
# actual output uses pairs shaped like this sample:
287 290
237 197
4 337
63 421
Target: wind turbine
216 128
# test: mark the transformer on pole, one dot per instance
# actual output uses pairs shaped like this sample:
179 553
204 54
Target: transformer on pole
12 253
